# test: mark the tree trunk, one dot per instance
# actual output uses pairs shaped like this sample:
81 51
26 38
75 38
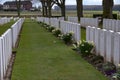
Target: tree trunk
49 10
79 9
19 7
63 11
43 10
46 11
61 4
107 8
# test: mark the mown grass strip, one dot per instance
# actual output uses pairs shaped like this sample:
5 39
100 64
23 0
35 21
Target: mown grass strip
41 56
6 26
83 34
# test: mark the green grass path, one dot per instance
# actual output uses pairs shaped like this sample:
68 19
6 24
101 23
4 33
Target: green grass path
41 56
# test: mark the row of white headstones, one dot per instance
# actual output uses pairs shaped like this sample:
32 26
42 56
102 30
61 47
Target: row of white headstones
4 20
107 40
109 24
64 26
107 43
7 43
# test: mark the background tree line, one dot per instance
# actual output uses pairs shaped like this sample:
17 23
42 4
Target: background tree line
47 7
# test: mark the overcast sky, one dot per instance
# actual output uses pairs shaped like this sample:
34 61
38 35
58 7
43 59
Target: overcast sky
90 2
85 2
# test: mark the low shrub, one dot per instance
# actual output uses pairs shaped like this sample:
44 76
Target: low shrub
116 76
84 47
76 46
67 38
50 29
109 68
45 26
97 59
56 32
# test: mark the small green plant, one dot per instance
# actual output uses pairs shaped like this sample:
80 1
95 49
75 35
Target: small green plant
76 46
116 76
83 47
97 58
86 47
67 38
45 26
109 68
50 29
56 32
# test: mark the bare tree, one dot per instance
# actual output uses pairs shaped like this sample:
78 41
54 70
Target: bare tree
79 9
43 7
61 4
107 8
50 3
18 7
18 4
47 6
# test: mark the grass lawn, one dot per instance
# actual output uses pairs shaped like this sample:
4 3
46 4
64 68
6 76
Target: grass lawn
41 56
6 26
54 13
83 34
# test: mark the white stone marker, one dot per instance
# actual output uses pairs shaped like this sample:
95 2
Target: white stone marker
1 60
116 49
92 34
113 25
104 24
103 43
107 24
117 26
109 45
88 33
78 32
97 40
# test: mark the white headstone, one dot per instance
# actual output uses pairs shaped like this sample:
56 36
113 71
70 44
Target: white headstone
97 40
78 33
113 25
119 25
116 49
1 60
88 33
104 24
92 34
103 43
109 45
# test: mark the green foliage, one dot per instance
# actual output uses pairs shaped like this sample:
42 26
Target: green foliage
67 38
108 66
83 33
84 47
56 32
117 74
50 29
45 25
96 58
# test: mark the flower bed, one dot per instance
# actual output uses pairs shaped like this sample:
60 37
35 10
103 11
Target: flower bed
87 51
